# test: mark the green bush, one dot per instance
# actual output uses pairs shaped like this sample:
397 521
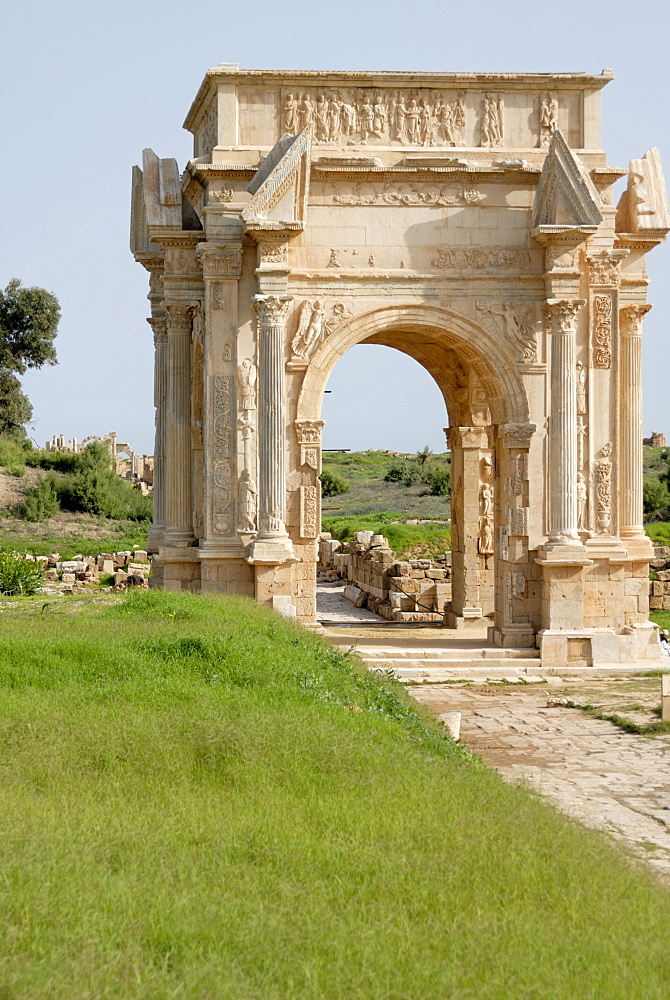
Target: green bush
396 473
438 479
332 484
18 576
14 448
100 491
656 498
41 501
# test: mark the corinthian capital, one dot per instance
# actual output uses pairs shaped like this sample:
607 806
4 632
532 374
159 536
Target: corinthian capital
631 317
605 266
271 310
561 314
179 315
159 325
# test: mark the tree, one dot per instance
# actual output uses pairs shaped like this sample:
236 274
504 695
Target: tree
28 325
656 498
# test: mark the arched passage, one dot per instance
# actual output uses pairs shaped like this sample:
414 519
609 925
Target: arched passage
484 395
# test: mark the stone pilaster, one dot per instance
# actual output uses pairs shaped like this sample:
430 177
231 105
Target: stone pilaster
630 424
468 445
561 316
159 326
272 544
178 496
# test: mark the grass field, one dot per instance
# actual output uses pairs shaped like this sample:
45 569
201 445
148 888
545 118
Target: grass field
419 540
199 800
370 494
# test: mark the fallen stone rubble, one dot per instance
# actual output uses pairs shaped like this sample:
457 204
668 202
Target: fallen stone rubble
659 566
413 590
130 568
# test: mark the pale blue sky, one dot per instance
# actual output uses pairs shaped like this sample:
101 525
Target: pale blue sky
86 87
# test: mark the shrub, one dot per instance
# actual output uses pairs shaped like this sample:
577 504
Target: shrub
13 452
18 576
439 479
332 484
396 473
41 501
100 491
656 498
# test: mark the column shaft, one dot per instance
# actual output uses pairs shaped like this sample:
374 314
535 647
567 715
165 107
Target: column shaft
178 513
630 498
160 399
563 423
271 311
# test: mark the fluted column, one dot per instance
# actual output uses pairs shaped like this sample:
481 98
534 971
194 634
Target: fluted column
630 421
159 326
562 318
178 513
271 311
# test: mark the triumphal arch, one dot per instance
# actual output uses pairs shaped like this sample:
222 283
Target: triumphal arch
467 220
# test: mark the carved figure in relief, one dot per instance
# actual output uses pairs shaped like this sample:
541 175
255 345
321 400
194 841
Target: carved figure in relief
399 114
582 496
333 261
305 111
245 424
371 260
348 118
367 119
378 117
492 120
486 536
517 324
310 328
581 436
247 374
334 120
321 119
248 504
458 119
445 123
425 127
548 118
289 118
412 122
581 388
487 499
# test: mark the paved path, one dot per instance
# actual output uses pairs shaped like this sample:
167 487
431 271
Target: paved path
332 606
606 778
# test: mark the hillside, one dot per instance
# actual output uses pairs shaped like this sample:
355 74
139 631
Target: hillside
370 494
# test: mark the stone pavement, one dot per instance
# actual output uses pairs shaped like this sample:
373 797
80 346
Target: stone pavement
590 769
332 606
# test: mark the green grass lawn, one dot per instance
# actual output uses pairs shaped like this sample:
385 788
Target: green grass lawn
200 800
420 540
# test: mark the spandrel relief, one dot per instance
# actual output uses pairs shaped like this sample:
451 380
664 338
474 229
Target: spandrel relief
316 321
517 323
548 118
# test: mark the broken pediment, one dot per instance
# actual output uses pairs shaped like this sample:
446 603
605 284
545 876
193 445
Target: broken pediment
566 196
643 207
280 186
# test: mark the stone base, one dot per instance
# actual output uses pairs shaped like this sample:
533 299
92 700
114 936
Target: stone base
598 647
271 551
181 568
464 618
518 635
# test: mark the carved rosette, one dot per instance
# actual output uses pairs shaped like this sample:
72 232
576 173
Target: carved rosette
219 261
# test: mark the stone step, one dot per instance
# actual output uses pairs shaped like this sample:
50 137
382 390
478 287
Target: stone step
436 670
422 653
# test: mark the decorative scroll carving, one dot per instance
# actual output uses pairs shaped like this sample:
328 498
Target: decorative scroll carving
631 317
228 351
247 375
273 253
410 194
313 327
222 452
220 261
218 296
604 269
354 115
582 497
517 324
309 511
603 479
493 259
248 504
518 521
493 111
602 331
548 118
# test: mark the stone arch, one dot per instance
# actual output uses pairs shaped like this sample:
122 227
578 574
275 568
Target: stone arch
472 345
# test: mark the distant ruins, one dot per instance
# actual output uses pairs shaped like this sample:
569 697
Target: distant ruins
128 464
655 441
465 219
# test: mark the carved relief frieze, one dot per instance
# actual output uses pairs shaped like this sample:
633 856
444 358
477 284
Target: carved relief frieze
220 261
309 511
208 136
604 269
247 375
247 504
316 322
560 258
517 436
518 521
517 583
517 324
309 438
602 331
475 259
410 195
223 195
548 118
222 506
272 253
355 116
492 124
